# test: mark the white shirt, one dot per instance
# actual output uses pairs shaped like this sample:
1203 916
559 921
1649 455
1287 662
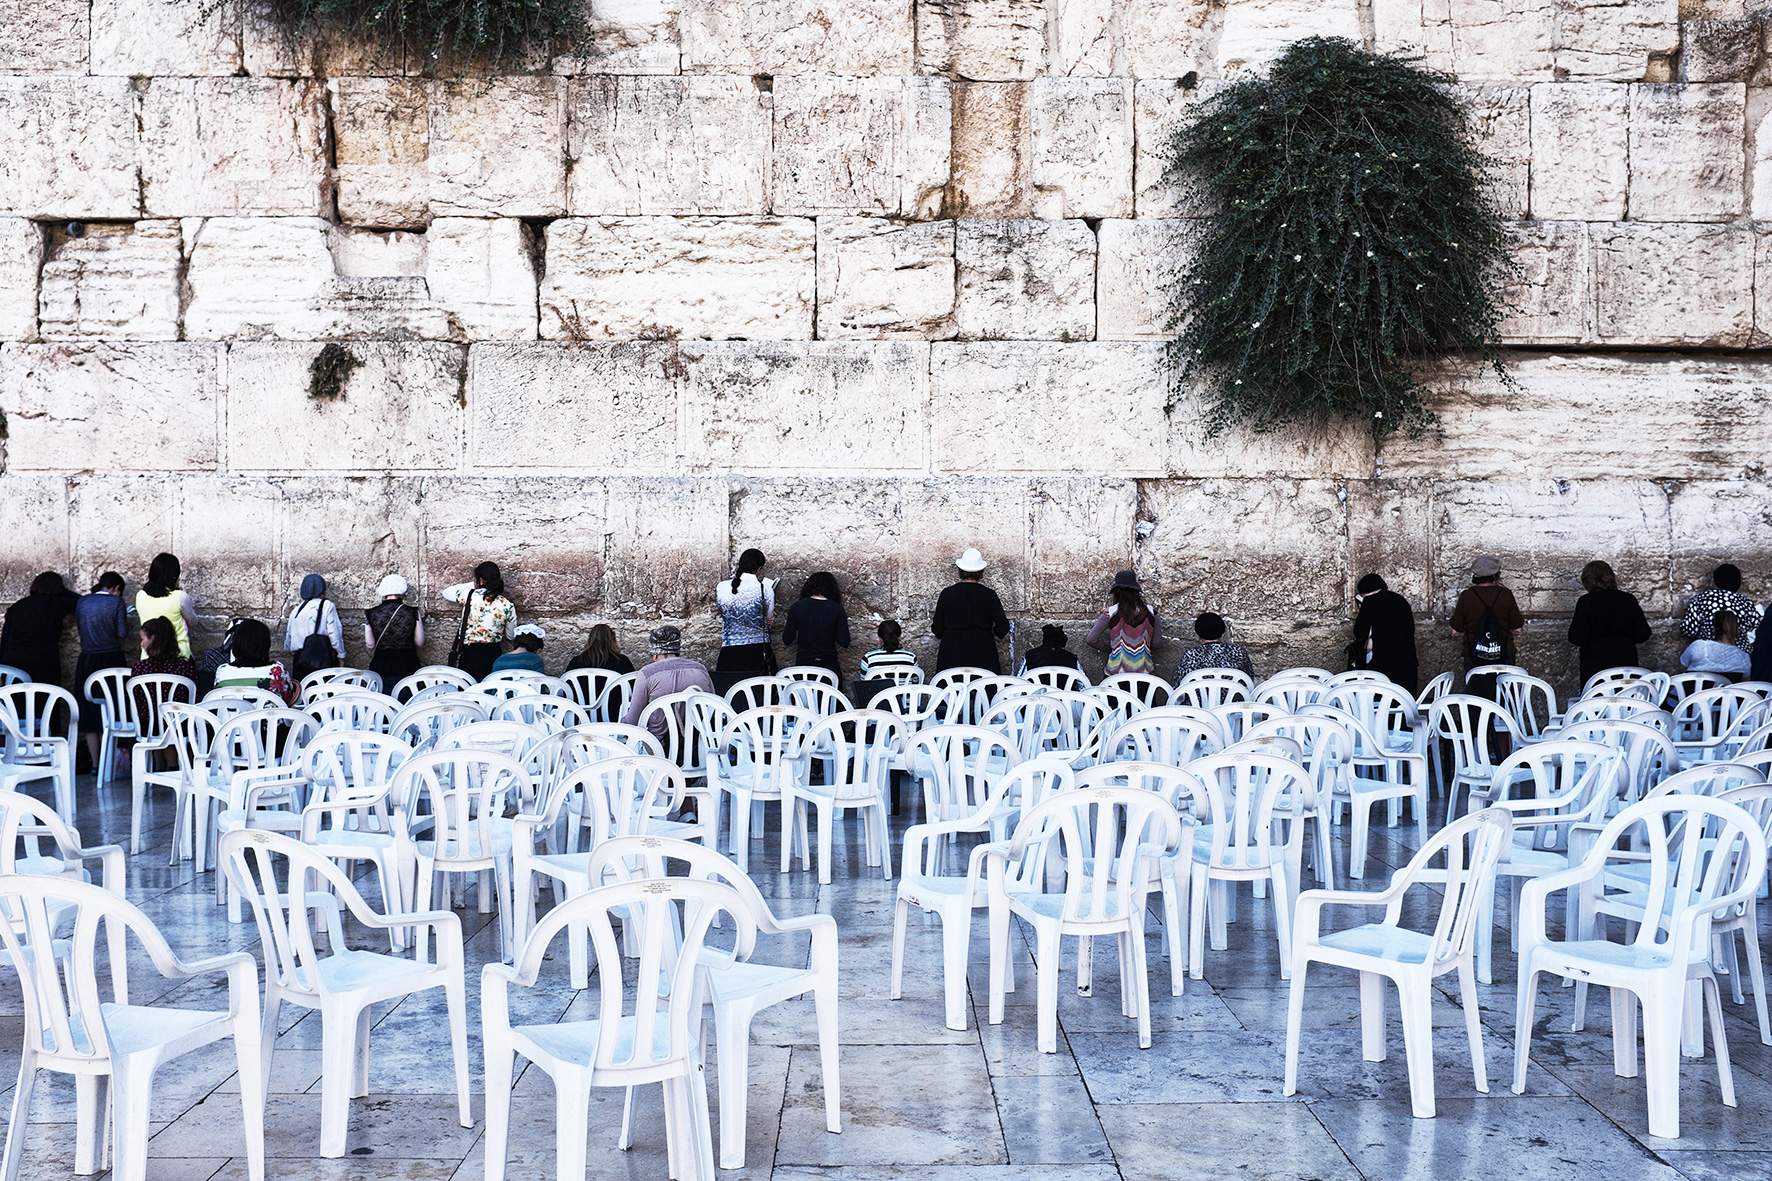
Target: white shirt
745 613
1709 656
304 621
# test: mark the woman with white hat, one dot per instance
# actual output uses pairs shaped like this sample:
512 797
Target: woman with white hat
394 632
969 619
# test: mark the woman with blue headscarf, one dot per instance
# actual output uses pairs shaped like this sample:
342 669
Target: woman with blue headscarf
314 623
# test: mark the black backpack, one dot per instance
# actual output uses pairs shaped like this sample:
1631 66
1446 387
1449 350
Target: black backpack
1488 641
317 651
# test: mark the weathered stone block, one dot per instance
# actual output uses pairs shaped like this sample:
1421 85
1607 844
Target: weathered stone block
1674 284
160 38
119 522
1719 51
1256 31
1686 151
841 145
1118 38
1137 259
838 406
225 531
793 37
482 273
73 407
1580 145
666 535
1302 529
1025 280
991 146
44 36
549 535
944 515
1081 151
1762 333
1390 533
1480 39
21 257
616 277
1593 417
1551 300
850 527
928 147
67 148
116 282
34 516
553 405
1077 408
982 40
1342 448
381 134
498 147
1617 42
667 145
1501 117
1082 531
628 37
884 279
400 410
1711 522
1159 109
353 531
1760 206
233 147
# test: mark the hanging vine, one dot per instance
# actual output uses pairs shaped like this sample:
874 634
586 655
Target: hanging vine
495 32
1351 235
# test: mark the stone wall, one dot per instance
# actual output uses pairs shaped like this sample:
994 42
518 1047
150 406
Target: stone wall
861 282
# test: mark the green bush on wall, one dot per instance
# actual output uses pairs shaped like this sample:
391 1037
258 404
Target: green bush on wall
1349 235
493 31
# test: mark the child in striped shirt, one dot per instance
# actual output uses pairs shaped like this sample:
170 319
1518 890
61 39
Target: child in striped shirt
889 655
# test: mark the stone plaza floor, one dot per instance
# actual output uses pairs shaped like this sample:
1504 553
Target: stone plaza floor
923 1101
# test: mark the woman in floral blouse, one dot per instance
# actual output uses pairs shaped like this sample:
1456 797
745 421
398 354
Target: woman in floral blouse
488 619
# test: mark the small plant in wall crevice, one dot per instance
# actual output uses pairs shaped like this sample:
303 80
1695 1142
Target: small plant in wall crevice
1349 238
329 372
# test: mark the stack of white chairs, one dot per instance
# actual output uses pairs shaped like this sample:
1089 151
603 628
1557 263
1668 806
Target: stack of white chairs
1207 688
145 701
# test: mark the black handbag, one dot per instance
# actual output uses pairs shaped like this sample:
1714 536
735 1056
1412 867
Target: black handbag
461 632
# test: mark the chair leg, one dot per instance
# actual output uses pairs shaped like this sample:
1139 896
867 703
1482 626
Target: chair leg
999 921
732 1035
824 998
455 996
1757 971
900 919
1197 921
338 1070
1175 902
21 1108
1362 818
1725 1075
87 1133
956 940
1473 1024
1661 1059
130 1084
500 1058
1415 1002
1372 1000
572 1117
1141 983
1046 980
1524 1010
254 1068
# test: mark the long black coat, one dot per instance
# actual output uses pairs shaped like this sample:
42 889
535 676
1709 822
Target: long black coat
1386 618
969 620
31 637
1607 627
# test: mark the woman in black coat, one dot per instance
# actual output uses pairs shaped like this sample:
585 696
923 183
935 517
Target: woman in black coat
969 620
1608 623
1384 633
31 639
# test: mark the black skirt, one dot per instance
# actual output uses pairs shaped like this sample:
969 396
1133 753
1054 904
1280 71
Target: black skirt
476 659
747 658
91 720
394 666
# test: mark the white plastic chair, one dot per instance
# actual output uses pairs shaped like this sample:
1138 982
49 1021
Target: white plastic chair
33 839
1363 676
1615 676
1744 919
656 1040
351 708
1291 694
1647 756
898 674
423 722
347 814
1104 836
1531 703
147 697
1704 857
1057 676
345 982
1151 692
1466 722
969 701
755 759
1237 718
12 676
1435 689
229 700
960 674
1711 725
1619 709
758 692
1388 761
108 688
814 673
256 779
71 1028
587 684
1683 685
538 708
1411 959
358 678
193 735
736 991
430 676
857 749
1056 722
1326 747
36 747
926 880
1173 734
1206 688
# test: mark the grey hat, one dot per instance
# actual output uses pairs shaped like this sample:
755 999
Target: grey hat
1126 579
665 641
313 586
1485 567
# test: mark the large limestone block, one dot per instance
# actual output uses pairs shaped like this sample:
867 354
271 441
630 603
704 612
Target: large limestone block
226 530
498 147
1482 39
1617 42
1760 208
21 258
1160 107
860 145
1501 119
710 277
233 147
1591 417
1137 260
595 408
851 527
1117 38
353 530
549 537
1256 31
815 406
666 535
945 515
119 522
1686 159
885 279
34 516
667 145
982 40
1711 521
1390 533
482 273
1340 448
1081 163
1049 408
628 37
400 410
1025 280
1674 283
381 134
992 136
1551 299
1762 334
1205 535
1580 146
1082 531
67 148
1544 531
115 282
44 36
105 407
794 37
160 38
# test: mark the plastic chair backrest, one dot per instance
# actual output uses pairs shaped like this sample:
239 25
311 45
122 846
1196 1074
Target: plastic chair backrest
1623 709
149 693
1241 796
429 677
1036 723
358 678
708 715
898 674
1306 672
1531 702
629 792
587 684
108 689
1711 714
1057 676
1177 786
1465 722
682 741
817 696
1291 694
636 739
31 827
968 702
757 692
283 903
1683 685
1648 756
1171 734
260 740
1706 779
1203 689
1150 692
12 676
964 762
1236 718
916 704
1435 689
532 708
860 746
356 709
1607 676
810 673
959 675
461 794
237 699
1760 760
1327 744
426 720
1564 779
1385 710
1096 827
34 708
352 767
767 743
1472 847
193 734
